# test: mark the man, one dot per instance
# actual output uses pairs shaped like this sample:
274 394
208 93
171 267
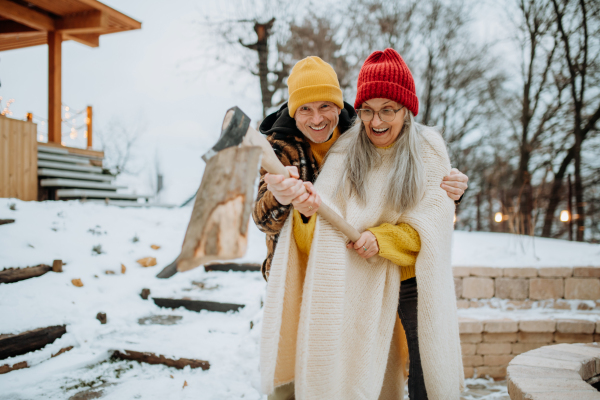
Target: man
301 133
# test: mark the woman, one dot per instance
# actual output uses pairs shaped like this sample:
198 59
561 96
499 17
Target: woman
336 334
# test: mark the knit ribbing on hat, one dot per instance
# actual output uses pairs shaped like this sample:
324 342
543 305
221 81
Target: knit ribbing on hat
312 79
385 75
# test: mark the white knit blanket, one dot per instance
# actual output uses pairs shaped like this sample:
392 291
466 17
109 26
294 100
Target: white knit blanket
333 328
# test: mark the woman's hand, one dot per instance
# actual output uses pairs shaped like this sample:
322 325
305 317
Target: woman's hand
366 246
285 189
308 203
455 184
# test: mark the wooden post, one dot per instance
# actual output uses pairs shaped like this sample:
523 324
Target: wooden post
29 117
54 86
88 122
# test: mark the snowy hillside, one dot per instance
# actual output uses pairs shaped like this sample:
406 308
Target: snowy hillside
93 238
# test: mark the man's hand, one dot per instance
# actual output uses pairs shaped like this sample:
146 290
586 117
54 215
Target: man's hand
285 189
455 184
308 203
366 241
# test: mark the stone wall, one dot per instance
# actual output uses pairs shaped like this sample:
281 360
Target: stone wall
523 285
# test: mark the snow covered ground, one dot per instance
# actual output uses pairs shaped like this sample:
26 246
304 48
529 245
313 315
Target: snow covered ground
94 238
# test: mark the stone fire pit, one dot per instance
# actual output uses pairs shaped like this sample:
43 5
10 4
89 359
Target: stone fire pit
559 372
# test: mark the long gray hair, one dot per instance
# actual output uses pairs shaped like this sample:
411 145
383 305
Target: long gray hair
406 179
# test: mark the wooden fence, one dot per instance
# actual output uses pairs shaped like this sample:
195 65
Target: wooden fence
18 159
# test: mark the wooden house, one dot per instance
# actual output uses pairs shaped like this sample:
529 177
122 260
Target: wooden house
39 171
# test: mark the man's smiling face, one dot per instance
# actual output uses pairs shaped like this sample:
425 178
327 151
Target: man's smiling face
317 120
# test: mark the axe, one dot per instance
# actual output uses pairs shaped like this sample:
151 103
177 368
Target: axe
218 228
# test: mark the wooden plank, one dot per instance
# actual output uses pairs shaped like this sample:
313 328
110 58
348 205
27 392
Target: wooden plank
6 221
93 21
126 21
151 358
22 40
196 305
87 39
236 267
69 167
57 173
76 151
20 274
12 143
15 345
26 16
74 183
7 27
62 8
95 194
54 86
63 158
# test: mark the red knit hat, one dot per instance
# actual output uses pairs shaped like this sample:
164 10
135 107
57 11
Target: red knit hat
385 75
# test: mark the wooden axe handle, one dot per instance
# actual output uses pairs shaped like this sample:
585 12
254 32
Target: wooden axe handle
272 165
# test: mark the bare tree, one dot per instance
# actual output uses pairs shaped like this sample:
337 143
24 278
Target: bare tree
117 141
257 27
578 28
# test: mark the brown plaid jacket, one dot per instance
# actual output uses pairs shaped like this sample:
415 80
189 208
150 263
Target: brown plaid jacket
292 148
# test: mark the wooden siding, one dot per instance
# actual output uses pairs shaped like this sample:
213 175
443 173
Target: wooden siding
18 159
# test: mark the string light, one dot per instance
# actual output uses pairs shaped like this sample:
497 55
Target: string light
564 216
498 217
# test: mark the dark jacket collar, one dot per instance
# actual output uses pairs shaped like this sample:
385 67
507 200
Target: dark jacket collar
282 126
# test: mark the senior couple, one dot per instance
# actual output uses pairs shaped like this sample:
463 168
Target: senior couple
349 320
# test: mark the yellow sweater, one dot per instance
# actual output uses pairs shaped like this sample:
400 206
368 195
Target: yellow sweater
398 243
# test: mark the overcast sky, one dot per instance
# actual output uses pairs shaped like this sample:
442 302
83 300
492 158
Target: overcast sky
157 77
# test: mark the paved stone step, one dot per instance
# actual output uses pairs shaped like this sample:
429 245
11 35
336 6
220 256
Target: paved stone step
95 194
75 183
489 344
56 173
69 167
63 158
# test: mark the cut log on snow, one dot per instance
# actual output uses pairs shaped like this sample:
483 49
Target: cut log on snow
19 274
15 345
6 221
232 267
151 358
7 368
218 228
196 305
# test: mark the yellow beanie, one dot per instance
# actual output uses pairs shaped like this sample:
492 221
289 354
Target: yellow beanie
312 79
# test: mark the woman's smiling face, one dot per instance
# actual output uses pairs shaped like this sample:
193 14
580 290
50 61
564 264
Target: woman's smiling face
383 133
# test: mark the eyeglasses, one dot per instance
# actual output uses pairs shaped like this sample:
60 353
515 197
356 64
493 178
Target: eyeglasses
386 115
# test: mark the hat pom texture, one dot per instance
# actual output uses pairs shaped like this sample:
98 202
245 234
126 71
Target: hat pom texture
385 75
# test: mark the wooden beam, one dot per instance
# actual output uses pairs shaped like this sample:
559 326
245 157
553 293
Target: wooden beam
85 22
54 86
15 345
20 274
8 27
88 39
26 16
151 358
120 17
196 305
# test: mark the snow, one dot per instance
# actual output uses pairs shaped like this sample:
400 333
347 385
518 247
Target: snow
477 249
69 231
